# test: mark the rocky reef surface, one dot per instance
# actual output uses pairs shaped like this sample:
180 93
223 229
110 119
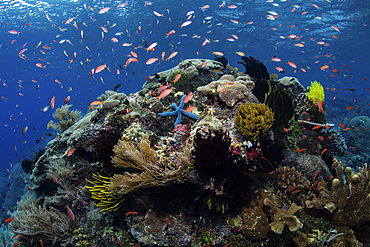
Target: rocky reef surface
232 160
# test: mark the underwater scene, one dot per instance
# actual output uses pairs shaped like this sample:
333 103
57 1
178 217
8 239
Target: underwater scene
184 123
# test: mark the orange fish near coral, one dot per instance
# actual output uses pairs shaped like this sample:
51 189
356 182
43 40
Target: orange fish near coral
177 77
164 93
8 220
188 97
70 152
300 150
70 213
151 61
52 102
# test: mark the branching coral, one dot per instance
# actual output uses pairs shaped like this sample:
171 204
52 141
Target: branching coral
281 217
65 117
316 92
145 160
290 179
100 191
33 222
253 120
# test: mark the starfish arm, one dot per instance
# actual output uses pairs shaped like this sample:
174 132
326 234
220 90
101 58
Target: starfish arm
182 103
178 119
167 114
189 114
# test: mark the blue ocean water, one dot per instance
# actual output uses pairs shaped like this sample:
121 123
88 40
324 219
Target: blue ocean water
332 33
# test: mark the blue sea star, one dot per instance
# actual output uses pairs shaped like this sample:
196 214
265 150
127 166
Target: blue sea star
179 112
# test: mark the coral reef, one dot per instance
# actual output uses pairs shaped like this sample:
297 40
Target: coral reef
253 120
130 178
65 117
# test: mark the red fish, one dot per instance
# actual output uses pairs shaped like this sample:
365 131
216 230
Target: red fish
131 212
300 150
52 102
164 93
8 220
177 77
70 152
70 213
67 100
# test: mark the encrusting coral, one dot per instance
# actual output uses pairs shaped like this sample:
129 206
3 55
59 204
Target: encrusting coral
65 117
253 120
281 217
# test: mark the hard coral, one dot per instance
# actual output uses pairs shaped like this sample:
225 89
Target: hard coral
349 197
289 179
230 90
253 120
281 217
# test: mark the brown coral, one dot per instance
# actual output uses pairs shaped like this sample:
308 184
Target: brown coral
33 222
349 197
281 217
289 179
230 90
145 160
65 117
255 222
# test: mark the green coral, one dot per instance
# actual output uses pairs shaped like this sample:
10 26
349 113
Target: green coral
253 120
183 81
316 92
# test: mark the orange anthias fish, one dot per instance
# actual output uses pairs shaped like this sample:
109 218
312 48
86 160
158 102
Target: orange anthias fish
188 97
164 93
52 102
177 77
8 220
217 53
172 55
319 104
67 100
151 60
70 213
189 109
292 64
100 68
70 152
